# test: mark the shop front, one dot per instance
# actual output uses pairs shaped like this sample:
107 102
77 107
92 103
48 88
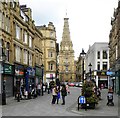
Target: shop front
118 77
29 78
38 75
102 79
50 77
19 79
8 79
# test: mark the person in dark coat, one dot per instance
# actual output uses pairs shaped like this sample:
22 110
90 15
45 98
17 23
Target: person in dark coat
63 93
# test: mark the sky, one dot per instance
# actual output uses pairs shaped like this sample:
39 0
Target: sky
89 20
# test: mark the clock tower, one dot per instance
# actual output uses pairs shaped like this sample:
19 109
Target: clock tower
66 56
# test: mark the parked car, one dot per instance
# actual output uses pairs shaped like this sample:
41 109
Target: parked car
81 84
77 84
71 84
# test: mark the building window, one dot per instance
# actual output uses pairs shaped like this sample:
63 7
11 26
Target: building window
25 57
66 69
98 65
0 19
104 54
7 24
50 54
1 48
50 66
30 59
8 52
18 53
30 41
3 21
98 55
116 51
104 65
52 44
25 37
17 32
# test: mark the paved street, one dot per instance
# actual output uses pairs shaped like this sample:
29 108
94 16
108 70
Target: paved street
41 106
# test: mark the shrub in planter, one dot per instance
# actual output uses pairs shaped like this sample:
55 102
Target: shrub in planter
87 91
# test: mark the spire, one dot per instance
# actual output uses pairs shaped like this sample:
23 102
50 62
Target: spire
66 32
66 14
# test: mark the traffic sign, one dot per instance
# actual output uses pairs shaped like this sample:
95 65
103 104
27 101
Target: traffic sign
82 100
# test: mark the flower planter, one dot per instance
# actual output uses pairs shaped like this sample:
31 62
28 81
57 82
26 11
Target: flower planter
88 105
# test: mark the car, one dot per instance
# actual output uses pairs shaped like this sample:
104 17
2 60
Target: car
71 84
80 84
77 84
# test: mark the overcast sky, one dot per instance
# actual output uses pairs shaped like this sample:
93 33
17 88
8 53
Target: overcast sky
89 20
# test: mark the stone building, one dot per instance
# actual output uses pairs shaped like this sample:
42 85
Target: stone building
114 46
6 49
49 51
21 41
66 56
79 69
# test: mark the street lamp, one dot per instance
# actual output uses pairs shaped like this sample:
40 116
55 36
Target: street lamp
3 90
90 65
42 67
82 54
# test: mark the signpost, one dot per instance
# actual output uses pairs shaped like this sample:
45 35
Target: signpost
81 100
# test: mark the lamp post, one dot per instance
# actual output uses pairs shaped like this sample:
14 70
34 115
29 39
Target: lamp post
42 67
3 81
90 65
82 54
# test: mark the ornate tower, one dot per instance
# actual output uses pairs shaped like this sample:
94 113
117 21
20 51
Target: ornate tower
66 56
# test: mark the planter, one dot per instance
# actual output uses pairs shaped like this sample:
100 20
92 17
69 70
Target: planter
88 105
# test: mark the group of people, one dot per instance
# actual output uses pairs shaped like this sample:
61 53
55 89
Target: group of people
58 92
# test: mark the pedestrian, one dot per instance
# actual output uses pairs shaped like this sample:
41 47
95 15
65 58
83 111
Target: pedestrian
58 94
110 97
63 93
39 89
54 94
67 88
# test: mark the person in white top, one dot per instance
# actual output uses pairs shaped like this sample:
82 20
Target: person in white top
67 88
54 94
39 89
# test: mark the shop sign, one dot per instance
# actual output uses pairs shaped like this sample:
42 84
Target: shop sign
109 73
31 71
102 73
7 69
19 70
38 71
